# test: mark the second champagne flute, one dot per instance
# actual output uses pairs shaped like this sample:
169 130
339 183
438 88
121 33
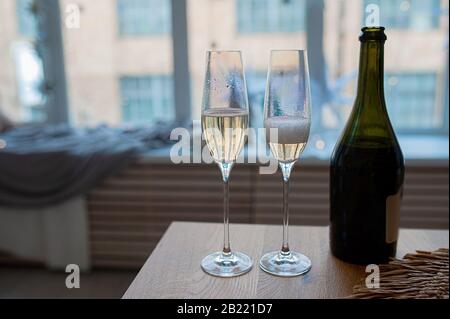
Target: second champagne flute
287 112
225 123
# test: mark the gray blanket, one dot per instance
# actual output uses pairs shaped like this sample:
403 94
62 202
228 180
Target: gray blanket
42 166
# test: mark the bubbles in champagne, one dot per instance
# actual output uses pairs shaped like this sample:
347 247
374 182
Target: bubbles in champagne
224 130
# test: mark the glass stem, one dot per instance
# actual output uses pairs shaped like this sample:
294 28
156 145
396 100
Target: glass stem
226 211
285 247
286 169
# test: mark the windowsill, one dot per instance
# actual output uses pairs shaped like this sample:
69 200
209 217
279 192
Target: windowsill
432 149
425 147
414 147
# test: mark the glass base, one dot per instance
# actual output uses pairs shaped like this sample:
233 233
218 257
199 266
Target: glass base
285 264
227 265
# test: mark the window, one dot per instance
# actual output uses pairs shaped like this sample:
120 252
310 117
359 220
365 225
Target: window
409 14
415 62
22 74
143 17
131 79
117 80
26 22
256 87
146 99
411 99
270 15
29 77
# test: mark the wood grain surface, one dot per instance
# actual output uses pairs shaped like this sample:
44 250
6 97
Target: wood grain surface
173 270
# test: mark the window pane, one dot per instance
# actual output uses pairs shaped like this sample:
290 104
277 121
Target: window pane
143 17
414 62
411 99
415 57
21 73
119 68
409 14
147 99
270 15
25 19
252 26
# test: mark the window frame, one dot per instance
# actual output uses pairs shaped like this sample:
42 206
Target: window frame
58 108
57 105
51 51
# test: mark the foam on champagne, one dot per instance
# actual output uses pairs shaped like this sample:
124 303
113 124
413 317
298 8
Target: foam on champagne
221 112
291 129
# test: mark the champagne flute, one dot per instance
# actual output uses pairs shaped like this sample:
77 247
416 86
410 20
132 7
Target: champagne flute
225 123
287 112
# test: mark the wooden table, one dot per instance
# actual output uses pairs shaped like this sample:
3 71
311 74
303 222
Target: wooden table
173 270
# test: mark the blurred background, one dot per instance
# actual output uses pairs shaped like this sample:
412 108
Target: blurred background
137 65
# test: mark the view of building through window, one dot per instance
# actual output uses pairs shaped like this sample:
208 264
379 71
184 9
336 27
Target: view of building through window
26 22
411 14
135 20
21 70
119 63
120 71
415 55
146 97
255 16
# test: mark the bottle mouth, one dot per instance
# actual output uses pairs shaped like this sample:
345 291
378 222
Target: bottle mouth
372 34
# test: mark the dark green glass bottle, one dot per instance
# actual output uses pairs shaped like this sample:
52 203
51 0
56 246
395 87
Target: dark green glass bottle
367 168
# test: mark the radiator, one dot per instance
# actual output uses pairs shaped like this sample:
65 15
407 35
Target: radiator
130 211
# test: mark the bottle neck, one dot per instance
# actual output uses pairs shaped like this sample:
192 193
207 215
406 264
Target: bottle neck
369 118
371 74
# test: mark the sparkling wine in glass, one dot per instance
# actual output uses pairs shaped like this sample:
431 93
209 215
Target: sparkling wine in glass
287 113
224 124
